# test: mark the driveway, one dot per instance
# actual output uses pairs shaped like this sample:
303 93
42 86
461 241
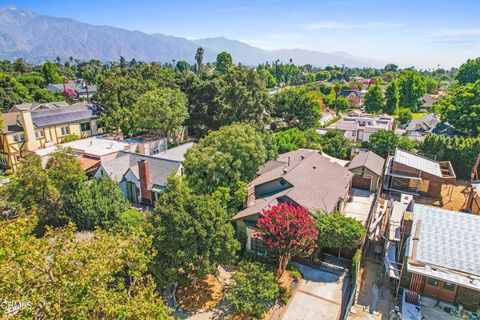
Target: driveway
320 294
359 205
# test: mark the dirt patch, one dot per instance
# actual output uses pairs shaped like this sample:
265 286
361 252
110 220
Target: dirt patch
202 296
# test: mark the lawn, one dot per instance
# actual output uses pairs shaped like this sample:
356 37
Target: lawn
418 115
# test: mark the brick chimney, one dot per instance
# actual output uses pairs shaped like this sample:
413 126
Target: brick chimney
144 175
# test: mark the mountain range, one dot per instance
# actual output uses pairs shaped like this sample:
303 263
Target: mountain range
37 37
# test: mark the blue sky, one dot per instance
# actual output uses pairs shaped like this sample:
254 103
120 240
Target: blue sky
423 33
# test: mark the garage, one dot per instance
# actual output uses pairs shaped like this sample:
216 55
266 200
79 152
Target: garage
361 182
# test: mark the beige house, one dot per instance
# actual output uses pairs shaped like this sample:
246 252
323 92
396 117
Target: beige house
28 129
367 168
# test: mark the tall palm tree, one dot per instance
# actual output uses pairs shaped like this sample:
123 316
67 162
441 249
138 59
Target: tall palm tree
199 58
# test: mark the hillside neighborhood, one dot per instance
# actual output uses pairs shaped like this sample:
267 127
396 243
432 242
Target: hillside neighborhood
135 189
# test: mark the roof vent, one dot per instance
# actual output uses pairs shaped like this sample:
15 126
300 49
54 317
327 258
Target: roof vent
302 156
285 170
314 167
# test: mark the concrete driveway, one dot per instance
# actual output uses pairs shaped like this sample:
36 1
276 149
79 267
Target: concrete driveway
359 205
319 296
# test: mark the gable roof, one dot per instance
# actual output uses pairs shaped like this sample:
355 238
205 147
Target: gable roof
369 160
37 105
317 182
428 101
426 123
160 169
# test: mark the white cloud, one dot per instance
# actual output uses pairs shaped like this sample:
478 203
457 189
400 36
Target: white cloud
336 25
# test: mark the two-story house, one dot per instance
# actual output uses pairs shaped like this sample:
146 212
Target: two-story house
25 129
358 127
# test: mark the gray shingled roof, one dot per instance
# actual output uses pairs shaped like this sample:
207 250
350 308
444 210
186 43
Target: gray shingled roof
369 160
160 169
426 123
317 183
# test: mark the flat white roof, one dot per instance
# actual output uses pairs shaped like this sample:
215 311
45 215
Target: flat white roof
175 153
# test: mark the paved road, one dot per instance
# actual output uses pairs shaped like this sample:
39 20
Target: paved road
319 295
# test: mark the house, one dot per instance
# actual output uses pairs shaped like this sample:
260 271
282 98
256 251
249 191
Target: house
368 171
439 254
354 96
80 87
418 129
302 177
142 178
327 115
28 130
427 102
358 126
416 175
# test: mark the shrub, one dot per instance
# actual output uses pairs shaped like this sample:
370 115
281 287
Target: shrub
254 289
286 295
70 138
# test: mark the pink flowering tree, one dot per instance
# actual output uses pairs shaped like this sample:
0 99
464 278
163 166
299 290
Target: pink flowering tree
70 94
288 231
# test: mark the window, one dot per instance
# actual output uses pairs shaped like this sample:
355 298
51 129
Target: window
432 282
39 134
85 126
19 137
449 286
65 130
256 245
354 133
3 160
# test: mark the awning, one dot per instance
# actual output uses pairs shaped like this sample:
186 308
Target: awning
88 163
158 189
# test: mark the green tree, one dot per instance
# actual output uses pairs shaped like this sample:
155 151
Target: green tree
405 115
384 142
199 58
431 85
254 289
338 231
469 72
412 88
11 92
64 277
374 99
335 144
20 66
243 97
392 99
289 140
192 235
100 204
298 107
50 73
182 66
161 111
224 62
224 158
462 109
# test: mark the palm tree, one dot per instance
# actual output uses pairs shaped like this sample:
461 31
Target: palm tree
199 58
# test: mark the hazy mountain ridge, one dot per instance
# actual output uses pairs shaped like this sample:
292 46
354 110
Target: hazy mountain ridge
38 37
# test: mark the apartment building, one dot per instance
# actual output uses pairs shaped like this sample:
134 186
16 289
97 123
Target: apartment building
27 129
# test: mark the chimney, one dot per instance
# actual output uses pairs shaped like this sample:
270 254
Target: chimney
250 198
29 130
144 175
